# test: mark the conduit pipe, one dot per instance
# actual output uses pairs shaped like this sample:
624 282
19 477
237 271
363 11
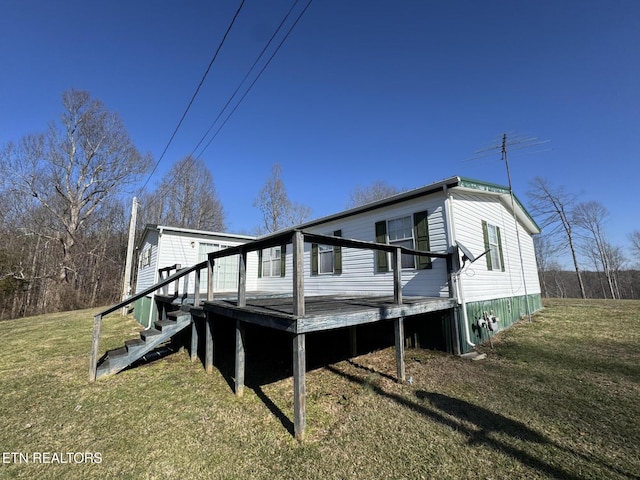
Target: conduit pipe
458 284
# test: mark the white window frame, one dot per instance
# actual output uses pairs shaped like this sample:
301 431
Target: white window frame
494 246
408 261
270 258
145 258
324 251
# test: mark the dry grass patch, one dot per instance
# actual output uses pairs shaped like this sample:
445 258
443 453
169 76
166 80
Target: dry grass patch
556 398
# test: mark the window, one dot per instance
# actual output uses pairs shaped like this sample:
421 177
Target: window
493 244
271 263
145 258
410 232
325 259
400 234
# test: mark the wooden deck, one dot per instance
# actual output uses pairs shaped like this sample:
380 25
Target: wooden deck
302 315
324 312
298 313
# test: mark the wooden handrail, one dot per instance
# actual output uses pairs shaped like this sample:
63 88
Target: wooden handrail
97 319
363 244
179 274
175 266
296 236
286 238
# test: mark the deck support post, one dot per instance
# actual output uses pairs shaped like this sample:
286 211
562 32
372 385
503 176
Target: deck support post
208 356
298 274
455 341
240 358
242 279
196 288
299 386
95 345
210 265
397 276
399 334
193 353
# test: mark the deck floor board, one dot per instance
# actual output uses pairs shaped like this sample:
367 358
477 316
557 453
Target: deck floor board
324 312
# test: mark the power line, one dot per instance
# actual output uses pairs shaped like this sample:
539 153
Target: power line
188 164
193 97
257 77
275 33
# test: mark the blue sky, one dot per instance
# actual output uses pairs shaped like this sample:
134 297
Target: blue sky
401 91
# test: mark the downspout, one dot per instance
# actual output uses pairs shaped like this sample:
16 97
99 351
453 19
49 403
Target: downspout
458 280
155 278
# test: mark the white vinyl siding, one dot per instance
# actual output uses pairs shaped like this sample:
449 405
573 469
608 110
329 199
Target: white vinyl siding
147 262
478 281
170 247
358 275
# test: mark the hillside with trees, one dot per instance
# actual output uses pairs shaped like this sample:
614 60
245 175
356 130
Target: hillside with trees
65 198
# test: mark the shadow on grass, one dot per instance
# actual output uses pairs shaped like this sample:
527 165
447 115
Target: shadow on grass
611 358
478 424
158 353
370 370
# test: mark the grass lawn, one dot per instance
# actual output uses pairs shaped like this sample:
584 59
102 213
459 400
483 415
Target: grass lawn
556 398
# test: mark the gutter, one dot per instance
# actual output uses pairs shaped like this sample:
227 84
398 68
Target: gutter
155 273
456 276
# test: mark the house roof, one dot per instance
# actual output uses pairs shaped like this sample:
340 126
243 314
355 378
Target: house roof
191 232
460 183
504 193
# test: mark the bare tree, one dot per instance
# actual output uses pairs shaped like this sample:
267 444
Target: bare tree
546 251
553 207
376 191
590 217
634 237
72 169
277 210
186 197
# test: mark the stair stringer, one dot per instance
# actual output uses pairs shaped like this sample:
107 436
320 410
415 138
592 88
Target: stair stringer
119 359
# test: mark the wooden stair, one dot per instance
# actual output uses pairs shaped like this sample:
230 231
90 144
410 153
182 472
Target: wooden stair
118 359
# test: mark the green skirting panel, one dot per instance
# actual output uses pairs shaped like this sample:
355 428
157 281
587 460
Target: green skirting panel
142 310
508 311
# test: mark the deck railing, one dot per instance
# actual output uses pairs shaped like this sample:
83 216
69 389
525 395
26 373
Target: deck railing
295 237
161 285
298 238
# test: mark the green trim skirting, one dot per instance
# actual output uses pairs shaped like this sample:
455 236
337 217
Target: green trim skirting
141 310
508 310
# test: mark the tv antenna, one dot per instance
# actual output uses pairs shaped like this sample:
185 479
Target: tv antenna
504 146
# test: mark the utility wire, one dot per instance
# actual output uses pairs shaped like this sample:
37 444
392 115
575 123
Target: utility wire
193 97
192 159
275 33
256 79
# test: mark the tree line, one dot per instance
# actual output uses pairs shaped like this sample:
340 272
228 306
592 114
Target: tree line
65 196
577 229
65 199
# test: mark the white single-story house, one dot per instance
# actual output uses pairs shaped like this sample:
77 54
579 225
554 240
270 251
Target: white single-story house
163 246
483 220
